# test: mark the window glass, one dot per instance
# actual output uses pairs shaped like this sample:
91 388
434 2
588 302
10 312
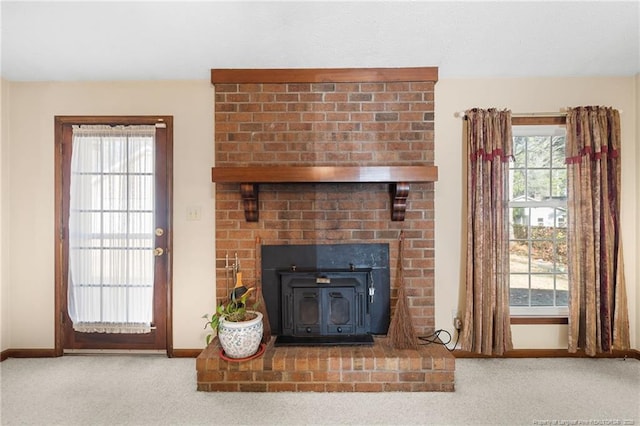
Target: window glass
537 221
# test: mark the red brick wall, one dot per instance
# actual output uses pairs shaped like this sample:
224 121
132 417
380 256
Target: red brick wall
354 124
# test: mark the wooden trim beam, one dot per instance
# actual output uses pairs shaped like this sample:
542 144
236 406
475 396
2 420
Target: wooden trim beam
186 353
538 120
324 75
28 353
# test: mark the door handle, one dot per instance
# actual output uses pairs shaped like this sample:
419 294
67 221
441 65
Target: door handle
158 251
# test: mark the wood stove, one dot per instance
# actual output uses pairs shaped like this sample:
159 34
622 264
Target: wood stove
326 294
330 305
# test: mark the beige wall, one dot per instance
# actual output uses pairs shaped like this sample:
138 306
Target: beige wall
637 258
523 96
4 288
31 197
27 192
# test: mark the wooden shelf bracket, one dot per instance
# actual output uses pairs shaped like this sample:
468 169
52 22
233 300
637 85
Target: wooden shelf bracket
249 193
399 194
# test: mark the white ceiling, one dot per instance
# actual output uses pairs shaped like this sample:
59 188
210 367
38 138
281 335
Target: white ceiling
144 40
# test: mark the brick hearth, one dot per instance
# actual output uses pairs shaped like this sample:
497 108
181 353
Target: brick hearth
377 368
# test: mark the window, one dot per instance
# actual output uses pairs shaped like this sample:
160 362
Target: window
537 221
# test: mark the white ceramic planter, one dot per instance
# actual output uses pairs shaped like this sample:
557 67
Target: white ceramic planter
240 339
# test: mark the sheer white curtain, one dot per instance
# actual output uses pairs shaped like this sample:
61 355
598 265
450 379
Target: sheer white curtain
111 229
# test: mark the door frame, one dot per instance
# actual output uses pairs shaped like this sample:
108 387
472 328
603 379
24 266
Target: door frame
61 269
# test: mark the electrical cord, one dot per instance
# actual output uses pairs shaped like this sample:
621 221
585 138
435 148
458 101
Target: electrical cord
435 338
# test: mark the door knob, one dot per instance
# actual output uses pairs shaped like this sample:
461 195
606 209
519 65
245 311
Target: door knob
159 232
158 251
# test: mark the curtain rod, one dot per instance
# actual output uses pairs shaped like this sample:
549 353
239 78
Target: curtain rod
561 113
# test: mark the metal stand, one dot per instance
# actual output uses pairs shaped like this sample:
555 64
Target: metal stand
232 269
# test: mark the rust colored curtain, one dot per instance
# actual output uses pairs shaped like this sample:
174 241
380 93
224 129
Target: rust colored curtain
598 318
486 327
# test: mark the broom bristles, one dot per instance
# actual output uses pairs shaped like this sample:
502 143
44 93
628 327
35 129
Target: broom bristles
401 331
262 306
266 325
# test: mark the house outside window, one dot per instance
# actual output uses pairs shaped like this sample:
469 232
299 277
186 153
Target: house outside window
538 222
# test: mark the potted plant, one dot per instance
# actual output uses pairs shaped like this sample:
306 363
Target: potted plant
239 329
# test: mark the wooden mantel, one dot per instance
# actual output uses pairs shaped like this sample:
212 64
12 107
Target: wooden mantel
399 178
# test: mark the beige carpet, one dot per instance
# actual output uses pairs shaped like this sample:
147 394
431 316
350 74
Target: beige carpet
154 390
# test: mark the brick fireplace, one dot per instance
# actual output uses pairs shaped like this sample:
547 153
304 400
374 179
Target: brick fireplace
358 123
339 118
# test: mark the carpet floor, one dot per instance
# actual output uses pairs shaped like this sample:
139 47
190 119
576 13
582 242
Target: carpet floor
155 390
